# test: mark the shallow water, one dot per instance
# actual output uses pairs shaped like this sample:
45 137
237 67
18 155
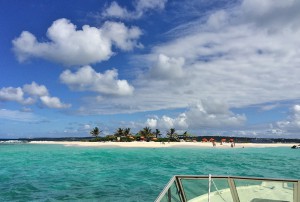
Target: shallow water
55 172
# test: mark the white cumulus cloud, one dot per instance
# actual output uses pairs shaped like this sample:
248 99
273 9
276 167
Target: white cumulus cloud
167 68
206 114
29 95
214 114
114 10
53 102
11 94
293 121
227 57
87 79
15 94
151 122
121 36
35 89
70 46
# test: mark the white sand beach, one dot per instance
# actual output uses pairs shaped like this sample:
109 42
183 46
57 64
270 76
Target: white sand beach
161 145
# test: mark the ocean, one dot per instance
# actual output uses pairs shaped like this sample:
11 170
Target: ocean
30 172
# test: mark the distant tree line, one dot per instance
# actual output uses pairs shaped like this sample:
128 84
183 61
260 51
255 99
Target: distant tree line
147 134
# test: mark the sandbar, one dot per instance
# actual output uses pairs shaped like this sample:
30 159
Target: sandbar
161 145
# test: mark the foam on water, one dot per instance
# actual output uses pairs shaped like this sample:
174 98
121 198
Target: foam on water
54 172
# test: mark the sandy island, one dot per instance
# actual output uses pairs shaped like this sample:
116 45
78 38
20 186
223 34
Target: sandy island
161 145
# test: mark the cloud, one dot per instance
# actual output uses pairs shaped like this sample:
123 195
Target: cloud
87 127
271 13
167 68
53 102
87 79
15 94
206 114
35 90
215 114
144 5
29 95
11 94
227 57
292 124
269 107
70 46
26 109
14 115
217 19
114 10
121 36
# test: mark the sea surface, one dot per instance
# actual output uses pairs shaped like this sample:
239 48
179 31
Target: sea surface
30 172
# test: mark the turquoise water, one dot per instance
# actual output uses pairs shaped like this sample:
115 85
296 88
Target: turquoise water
55 172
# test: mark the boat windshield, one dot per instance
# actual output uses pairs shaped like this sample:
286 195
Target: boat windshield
229 189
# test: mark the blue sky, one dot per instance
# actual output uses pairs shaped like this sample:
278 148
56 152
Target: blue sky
209 67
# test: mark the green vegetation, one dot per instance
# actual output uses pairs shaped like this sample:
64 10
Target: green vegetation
95 132
119 132
147 134
157 133
172 135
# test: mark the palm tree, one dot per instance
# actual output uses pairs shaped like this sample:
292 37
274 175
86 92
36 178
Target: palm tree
157 133
126 132
185 135
146 132
172 135
119 132
95 132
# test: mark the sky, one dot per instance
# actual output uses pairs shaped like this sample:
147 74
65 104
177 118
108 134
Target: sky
209 67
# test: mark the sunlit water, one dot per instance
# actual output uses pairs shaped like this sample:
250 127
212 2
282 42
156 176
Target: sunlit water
55 172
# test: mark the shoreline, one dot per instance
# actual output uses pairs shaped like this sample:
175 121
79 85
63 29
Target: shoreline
161 145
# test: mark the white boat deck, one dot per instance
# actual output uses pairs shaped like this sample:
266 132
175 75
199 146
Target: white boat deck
230 189
270 193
